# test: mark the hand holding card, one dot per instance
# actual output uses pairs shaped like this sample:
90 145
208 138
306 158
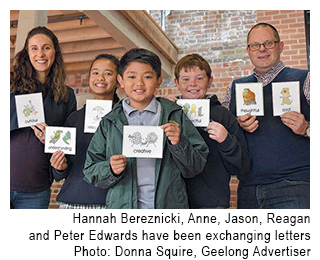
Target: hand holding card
217 131
295 121
172 131
39 131
248 122
58 161
118 163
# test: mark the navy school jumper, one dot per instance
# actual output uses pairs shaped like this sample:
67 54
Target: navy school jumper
277 153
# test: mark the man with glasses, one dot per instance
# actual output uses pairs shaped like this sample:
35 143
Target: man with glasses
279 146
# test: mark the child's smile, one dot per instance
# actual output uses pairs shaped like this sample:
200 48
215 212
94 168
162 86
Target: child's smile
139 83
193 83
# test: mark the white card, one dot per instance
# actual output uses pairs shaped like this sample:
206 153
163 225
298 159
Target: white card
142 141
60 139
285 97
95 110
29 109
197 110
249 99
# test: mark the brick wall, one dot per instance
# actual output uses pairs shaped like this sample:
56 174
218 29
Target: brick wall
291 27
220 37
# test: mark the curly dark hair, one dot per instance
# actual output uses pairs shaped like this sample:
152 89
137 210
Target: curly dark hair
23 77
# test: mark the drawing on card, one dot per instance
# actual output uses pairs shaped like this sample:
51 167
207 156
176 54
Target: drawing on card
67 137
142 141
55 137
192 110
285 92
94 111
97 113
285 97
186 108
29 109
249 97
60 139
136 139
200 111
152 138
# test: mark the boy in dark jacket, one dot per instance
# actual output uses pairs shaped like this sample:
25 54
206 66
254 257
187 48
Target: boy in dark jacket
228 152
144 182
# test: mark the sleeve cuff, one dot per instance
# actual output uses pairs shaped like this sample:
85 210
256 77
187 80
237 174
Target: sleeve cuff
228 143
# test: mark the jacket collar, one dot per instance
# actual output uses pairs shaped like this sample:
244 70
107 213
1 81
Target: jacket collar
117 116
152 107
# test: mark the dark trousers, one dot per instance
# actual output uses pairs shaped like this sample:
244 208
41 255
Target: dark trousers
280 195
29 200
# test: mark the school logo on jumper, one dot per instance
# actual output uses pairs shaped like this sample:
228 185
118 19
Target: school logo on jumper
197 110
142 141
285 97
95 110
29 109
249 99
60 139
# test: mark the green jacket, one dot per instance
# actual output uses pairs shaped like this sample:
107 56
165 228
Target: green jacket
186 159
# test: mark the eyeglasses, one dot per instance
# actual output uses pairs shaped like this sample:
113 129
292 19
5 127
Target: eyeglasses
267 45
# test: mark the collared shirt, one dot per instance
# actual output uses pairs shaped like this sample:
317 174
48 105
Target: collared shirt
267 79
270 75
150 116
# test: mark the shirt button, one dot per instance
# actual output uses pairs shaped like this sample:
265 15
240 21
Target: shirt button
140 113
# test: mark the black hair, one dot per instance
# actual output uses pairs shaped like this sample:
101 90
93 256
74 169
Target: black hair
114 59
140 55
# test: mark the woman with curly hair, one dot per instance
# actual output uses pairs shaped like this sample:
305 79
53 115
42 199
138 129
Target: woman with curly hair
38 67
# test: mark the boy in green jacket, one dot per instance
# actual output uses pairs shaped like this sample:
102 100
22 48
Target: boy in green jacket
144 182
